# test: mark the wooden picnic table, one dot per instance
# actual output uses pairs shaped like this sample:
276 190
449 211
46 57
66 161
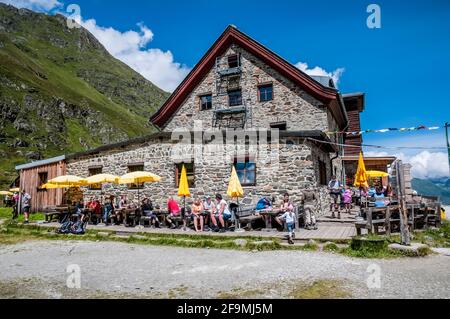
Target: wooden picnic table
267 215
129 213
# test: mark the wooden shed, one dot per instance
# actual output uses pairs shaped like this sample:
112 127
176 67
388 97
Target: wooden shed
34 175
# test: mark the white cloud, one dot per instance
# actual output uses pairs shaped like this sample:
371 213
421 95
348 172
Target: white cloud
131 48
36 5
317 70
425 164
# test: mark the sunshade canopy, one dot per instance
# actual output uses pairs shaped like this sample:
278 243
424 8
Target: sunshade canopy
234 186
102 178
70 180
139 177
361 174
376 174
5 193
183 188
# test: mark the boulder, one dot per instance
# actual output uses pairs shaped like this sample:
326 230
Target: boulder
240 242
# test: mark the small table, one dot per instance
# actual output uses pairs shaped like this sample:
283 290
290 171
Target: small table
129 213
268 214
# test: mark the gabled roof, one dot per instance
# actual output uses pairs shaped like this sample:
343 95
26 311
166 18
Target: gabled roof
41 162
232 35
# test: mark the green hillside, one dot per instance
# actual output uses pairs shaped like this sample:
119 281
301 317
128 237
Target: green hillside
61 91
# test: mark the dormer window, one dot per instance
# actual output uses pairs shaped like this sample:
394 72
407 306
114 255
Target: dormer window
265 92
205 102
233 61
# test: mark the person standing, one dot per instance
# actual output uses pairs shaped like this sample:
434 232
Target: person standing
286 206
309 201
347 199
26 205
335 188
15 203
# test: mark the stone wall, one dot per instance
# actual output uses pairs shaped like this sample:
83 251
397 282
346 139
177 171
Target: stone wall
287 167
290 103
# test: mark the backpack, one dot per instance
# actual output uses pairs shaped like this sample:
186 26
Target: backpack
262 203
78 228
65 227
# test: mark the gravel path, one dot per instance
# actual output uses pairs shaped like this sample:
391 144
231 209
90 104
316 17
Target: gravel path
108 269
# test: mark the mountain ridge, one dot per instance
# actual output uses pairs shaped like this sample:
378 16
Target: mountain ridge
63 92
433 187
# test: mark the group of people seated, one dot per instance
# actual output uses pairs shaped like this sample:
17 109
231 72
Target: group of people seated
342 197
207 214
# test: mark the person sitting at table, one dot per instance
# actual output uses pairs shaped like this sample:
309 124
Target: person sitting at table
220 212
147 211
197 210
123 201
379 197
286 206
208 207
79 207
174 211
96 208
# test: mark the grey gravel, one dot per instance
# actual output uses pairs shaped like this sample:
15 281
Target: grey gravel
158 271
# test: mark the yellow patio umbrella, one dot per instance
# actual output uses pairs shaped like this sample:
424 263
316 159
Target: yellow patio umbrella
6 193
183 187
376 174
139 177
234 186
15 190
67 181
55 186
361 179
102 178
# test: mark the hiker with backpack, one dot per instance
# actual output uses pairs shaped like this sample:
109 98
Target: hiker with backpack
309 201
335 189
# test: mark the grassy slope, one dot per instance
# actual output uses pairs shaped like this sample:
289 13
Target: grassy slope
79 72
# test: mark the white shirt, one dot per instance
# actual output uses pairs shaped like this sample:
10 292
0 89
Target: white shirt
225 211
289 217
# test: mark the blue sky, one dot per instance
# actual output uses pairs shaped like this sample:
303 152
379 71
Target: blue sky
403 67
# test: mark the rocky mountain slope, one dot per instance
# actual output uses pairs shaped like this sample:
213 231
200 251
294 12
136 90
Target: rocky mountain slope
61 91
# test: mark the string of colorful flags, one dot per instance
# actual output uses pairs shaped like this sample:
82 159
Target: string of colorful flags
401 129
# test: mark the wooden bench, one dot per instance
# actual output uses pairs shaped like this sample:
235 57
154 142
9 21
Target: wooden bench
245 216
371 224
50 214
